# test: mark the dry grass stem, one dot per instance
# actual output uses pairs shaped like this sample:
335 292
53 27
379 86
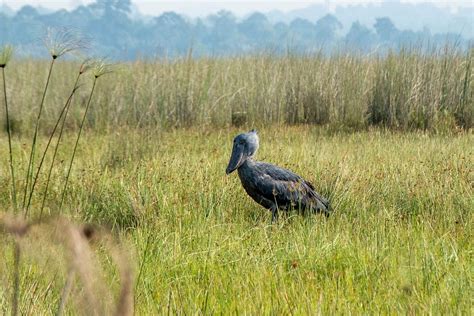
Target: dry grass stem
93 297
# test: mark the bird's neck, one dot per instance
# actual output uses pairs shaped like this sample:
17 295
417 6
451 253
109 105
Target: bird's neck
250 160
246 170
248 163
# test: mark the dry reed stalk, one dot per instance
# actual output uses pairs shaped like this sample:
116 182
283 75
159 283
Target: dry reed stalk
65 291
77 241
45 151
29 171
100 68
5 55
125 300
17 228
59 42
81 261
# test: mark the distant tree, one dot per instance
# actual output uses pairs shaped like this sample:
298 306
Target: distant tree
280 31
224 35
408 38
200 33
59 18
27 12
80 17
385 29
112 28
6 27
301 34
170 20
327 28
172 34
26 26
360 36
117 32
257 29
302 27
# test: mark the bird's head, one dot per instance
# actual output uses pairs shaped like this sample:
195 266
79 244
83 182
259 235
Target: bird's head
245 146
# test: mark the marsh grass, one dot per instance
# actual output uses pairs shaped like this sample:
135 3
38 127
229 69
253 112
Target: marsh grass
30 169
408 90
393 153
99 68
58 43
45 151
399 240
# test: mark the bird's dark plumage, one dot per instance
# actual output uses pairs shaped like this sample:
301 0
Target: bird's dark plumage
272 187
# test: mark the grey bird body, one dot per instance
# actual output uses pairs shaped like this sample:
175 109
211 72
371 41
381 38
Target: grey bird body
272 187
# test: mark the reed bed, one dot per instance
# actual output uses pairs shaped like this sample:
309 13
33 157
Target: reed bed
405 91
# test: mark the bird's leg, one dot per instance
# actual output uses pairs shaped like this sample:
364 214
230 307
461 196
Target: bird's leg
274 210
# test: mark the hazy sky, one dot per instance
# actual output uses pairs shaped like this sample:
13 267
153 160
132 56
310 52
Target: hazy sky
203 7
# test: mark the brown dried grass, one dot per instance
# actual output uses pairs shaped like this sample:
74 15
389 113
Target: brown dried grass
73 249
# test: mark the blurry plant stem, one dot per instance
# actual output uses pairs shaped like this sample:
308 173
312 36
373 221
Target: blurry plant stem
77 142
10 151
29 172
35 180
142 264
65 292
16 278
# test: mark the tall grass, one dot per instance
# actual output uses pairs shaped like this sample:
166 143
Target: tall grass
29 172
405 91
5 55
398 240
100 68
58 43
398 243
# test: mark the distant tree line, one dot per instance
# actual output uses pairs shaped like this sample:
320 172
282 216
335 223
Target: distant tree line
117 34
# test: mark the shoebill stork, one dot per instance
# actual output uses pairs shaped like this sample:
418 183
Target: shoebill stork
272 187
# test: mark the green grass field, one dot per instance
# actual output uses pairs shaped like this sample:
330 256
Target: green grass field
399 241
150 221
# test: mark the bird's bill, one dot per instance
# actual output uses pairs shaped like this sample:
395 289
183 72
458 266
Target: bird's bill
236 159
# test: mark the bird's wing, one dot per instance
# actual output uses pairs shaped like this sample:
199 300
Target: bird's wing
287 188
318 196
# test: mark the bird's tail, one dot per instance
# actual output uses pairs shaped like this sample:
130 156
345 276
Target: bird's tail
322 206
